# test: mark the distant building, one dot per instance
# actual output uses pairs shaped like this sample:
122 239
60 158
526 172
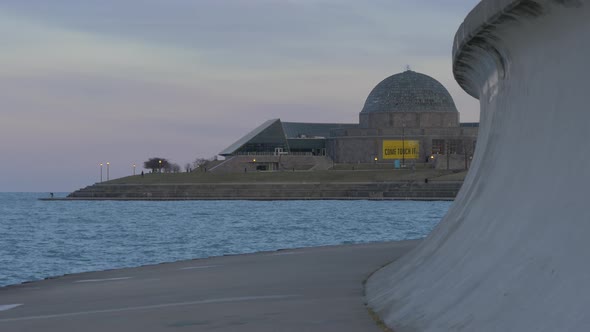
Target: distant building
293 138
407 118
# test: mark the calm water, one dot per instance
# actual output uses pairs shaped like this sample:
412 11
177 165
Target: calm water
40 239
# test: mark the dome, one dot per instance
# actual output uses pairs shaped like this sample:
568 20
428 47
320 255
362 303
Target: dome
409 92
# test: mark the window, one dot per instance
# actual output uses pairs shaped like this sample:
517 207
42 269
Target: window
438 146
454 145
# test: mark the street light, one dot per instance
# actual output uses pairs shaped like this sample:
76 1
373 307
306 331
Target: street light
108 164
160 166
101 172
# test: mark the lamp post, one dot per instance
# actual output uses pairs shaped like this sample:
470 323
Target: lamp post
160 166
101 172
133 169
108 164
376 160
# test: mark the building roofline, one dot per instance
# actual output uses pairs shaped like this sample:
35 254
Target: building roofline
240 142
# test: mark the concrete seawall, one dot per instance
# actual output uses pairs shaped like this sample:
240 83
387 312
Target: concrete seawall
509 254
439 190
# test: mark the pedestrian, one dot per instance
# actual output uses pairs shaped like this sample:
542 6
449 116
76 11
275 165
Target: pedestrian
141 173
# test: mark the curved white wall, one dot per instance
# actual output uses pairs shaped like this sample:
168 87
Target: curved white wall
513 253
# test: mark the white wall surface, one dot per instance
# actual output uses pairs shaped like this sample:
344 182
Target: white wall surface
513 253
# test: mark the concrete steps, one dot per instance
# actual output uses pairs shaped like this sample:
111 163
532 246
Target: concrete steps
383 190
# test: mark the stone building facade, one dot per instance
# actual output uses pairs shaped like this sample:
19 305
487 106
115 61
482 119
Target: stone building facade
407 118
408 109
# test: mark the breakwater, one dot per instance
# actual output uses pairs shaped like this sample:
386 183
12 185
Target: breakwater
401 190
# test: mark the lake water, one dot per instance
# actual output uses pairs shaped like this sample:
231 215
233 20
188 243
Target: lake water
39 239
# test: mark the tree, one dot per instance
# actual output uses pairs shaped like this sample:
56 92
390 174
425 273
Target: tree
156 164
200 162
173 168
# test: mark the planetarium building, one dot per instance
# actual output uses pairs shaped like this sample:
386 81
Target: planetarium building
407 118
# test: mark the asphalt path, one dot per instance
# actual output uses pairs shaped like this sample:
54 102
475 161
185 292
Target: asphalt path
310 289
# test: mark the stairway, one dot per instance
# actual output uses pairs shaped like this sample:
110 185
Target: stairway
443 190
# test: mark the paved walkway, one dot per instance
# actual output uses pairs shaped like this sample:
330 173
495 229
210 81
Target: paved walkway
311 289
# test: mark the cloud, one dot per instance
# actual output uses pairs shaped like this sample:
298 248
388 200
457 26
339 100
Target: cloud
86 81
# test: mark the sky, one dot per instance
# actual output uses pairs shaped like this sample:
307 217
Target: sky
120 81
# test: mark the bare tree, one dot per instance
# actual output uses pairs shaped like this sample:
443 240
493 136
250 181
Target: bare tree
172 168
200 163
175 168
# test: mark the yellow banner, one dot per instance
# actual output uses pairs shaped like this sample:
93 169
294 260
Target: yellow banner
401 149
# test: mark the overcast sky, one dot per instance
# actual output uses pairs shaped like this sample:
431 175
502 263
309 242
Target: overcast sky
85 82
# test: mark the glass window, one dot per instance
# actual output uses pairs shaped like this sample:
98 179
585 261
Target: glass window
438 146
454 145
